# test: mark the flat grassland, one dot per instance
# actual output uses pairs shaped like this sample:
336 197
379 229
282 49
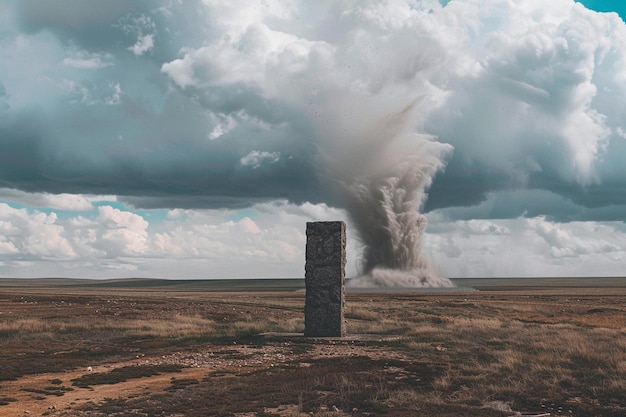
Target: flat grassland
158 348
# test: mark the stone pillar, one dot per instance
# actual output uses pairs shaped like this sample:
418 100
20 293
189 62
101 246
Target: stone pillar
325 272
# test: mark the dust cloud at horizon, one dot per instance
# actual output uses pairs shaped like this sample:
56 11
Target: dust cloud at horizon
380 177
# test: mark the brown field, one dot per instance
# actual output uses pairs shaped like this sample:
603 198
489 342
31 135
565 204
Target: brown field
153 348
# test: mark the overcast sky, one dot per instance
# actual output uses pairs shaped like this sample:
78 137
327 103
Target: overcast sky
162 138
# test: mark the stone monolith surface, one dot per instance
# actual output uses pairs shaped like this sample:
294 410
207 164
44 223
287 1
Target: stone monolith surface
325 279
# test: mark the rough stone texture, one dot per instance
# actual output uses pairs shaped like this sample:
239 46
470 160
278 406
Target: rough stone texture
325 279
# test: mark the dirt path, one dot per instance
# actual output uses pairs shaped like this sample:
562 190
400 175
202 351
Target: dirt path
33 393
28 390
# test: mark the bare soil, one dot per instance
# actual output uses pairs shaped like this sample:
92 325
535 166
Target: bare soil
149 351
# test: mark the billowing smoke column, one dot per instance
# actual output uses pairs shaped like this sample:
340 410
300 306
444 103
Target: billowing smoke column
359 77
384 210
382 193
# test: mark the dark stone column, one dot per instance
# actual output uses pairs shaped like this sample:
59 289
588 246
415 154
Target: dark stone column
325 272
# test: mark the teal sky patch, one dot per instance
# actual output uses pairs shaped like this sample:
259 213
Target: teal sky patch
618 6
241 214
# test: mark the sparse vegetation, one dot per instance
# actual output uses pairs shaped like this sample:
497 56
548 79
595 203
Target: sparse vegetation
470 354
6 400
122 374
57 391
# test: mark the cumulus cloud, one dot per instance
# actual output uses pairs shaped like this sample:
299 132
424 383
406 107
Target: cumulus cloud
71 202
84 63
544 74
39 235
268 240
144 28
185 243
526 247
255 158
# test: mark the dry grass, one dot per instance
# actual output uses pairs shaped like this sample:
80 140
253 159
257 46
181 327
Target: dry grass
503 351
175 326
475 354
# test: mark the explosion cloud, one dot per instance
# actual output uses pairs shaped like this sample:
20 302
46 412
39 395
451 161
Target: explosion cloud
383 206
381 181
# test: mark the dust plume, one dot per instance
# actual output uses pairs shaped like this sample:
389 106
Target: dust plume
382 183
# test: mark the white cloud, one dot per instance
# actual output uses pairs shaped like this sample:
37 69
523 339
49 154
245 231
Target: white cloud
175 214
256 158
144 28
84 63
485 227
242 54
113 218
144 44
574 239
123 241
540 69
115 96
269 241
114 242
67 202
526 247
7 248
70 202
248 226
46 238
223 127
